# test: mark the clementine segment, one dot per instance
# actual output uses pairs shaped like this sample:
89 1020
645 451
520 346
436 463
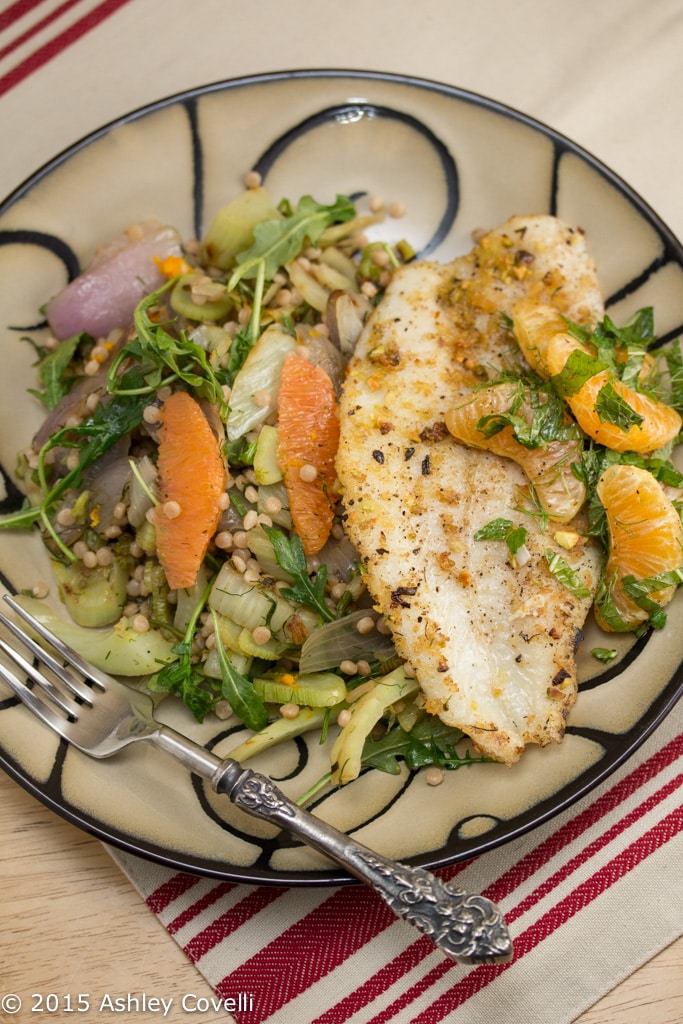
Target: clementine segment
548 467
659 423
308 438
645 539
192 480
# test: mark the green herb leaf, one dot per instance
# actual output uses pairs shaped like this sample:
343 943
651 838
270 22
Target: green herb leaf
504 529
429 742
568 577
53 370
291 557
578 369
237 689
278 241
612 408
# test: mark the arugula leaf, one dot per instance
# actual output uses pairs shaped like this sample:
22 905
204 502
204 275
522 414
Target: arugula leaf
612 408
568 577
163 358
182 677
52 370
429 742
291 557
186 681
278 241
238 690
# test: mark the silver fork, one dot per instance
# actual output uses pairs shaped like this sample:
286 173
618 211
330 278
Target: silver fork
100 716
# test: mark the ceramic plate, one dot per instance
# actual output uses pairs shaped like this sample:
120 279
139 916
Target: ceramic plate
457 162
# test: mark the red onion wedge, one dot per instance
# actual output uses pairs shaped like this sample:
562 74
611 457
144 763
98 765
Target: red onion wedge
105 295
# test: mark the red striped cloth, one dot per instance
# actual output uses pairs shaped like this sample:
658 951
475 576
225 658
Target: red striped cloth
589 897
36 31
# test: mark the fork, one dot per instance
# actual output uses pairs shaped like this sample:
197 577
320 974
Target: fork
101 715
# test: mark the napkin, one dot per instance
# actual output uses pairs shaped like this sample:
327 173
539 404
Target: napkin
589 896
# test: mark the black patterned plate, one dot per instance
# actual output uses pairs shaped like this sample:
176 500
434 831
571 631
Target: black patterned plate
457 162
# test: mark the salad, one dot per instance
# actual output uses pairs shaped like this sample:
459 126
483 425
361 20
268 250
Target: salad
184 485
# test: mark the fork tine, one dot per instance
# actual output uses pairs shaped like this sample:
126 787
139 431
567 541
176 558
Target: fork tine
34 703
93 674
47 686
76 685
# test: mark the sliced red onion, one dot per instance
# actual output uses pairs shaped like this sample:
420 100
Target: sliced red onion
105 295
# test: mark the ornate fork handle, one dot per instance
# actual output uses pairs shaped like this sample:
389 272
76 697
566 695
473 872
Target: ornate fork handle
467 928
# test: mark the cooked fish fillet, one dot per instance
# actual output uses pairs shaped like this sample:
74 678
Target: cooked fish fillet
493 646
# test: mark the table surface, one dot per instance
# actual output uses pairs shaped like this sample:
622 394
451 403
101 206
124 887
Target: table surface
58 880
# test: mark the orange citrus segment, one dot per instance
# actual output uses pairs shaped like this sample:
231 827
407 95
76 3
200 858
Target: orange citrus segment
308 438
548 468
534 326
645 538
192 479
660 423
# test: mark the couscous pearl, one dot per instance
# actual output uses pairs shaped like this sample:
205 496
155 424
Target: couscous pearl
210 641
251 575
264 520
65 517
250 519
252 179
343 718
90 559
434 776
112 532
91 368
262 398
223 500
79 548
119 511
222 710
151 414
72 460
130 610
308 473
150 514
338 591
140 623
223 540
164 393
133 588
365 625
272 506
377 204
261 635
251 494
363 668
284 297
104 556
135 550
40 589
397 209
240 539
239 563
92 401
349 668
289 710
172 509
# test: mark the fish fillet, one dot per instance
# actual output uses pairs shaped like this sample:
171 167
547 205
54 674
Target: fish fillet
493 646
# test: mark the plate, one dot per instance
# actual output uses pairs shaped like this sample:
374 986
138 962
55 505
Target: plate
457 162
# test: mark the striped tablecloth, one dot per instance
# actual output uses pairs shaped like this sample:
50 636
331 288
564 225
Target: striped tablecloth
589 897
597 891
